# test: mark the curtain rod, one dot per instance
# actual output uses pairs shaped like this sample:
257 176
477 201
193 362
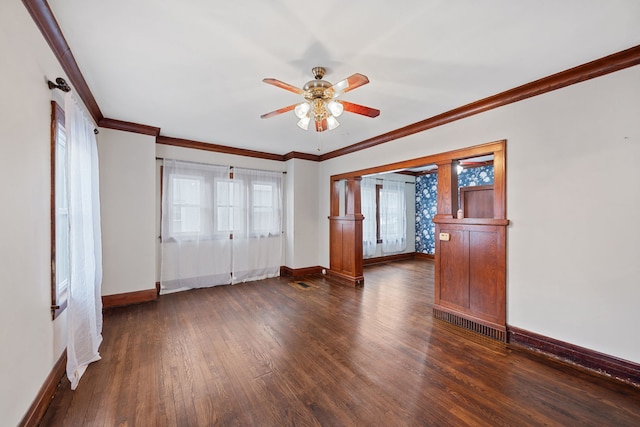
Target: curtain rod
211 164
64 86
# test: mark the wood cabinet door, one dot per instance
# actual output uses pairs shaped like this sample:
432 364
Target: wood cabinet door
454 274
471 270
477 202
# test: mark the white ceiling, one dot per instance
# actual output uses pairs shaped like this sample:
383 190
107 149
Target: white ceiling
194 68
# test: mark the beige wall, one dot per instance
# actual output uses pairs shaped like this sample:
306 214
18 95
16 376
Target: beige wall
31 343
127 208
572 197
301 227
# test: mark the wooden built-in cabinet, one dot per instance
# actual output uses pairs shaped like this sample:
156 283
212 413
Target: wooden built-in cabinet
470 275
470 269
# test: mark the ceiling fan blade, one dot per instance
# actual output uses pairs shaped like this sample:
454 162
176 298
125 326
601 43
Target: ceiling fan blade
321 126
360 109
349 83
280 111
283 85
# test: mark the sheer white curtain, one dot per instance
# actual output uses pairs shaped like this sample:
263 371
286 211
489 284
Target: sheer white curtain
257 236
368 205
84 306
393 217
219 228
195 248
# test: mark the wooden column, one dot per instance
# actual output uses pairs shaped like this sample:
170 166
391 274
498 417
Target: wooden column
447 189
345 234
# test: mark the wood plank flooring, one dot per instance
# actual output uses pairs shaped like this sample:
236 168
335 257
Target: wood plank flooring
270 353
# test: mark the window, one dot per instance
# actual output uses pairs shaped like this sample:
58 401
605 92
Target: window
393 217
389 211
209 202
263 208
186 201
384 209
229 205
59 213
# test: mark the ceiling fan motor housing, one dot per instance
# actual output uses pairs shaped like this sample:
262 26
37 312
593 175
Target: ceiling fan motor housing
318 88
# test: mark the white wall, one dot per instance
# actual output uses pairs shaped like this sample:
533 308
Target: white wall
30 342
573 199
127 202
301 227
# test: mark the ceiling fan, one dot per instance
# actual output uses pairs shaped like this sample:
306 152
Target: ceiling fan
320 102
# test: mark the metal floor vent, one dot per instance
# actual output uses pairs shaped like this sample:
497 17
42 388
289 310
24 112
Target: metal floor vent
301 285
479 328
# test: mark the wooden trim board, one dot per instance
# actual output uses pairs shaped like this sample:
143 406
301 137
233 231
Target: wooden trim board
619 369
128 298
39 407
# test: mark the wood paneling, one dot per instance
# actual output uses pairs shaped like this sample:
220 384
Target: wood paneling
345 233
477 201
452 276
345 252
470 279
486 289
470 274
269 354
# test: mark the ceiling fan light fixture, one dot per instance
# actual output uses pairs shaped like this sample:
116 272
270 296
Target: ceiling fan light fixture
302 109
336 108
332 123
319 104
303 123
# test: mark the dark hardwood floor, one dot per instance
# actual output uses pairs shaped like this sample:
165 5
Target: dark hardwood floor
269 353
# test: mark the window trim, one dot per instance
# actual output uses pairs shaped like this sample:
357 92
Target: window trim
58 301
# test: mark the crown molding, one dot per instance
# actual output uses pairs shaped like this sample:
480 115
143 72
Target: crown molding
46 22
303 156
129 127
197 145
599 67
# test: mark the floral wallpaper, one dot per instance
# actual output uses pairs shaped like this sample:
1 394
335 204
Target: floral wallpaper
471 177
426 202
